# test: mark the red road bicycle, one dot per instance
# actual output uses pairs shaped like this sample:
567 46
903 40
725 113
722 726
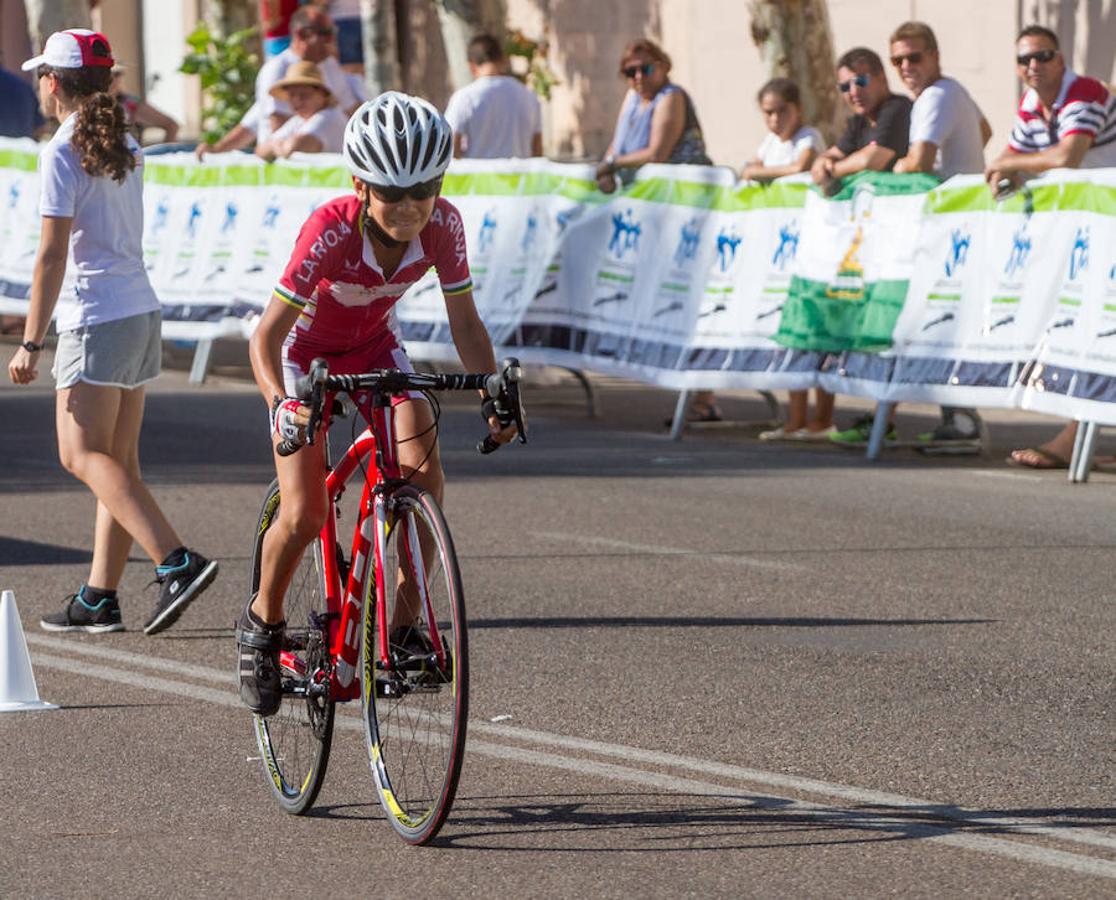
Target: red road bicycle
340 646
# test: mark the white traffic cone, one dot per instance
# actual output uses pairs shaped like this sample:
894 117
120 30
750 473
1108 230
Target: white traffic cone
17 682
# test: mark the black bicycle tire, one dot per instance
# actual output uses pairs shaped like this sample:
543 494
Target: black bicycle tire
427 827
294 800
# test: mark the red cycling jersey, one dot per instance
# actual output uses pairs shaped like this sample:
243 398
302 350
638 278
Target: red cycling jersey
346 302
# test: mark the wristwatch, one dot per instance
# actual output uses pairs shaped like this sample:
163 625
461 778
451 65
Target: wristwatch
31 346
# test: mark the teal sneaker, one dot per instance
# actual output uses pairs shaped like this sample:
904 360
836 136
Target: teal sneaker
861 430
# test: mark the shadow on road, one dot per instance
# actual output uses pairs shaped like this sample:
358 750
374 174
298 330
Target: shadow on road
18 552
707 622
677 823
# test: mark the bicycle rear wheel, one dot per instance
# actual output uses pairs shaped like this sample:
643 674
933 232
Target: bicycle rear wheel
295 742
416 704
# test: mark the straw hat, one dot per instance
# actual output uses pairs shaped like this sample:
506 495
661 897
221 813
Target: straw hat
304 73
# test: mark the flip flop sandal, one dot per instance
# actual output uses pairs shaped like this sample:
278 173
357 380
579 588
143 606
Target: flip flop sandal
1049 460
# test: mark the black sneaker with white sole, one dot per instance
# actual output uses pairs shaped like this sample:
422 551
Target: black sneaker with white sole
181 583
77 615
258 645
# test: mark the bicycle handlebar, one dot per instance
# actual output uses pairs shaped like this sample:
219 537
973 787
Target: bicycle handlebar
502 387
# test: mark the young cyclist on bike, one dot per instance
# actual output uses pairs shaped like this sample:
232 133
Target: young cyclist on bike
353 260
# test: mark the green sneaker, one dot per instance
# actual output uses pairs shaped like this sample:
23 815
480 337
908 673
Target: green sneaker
861 430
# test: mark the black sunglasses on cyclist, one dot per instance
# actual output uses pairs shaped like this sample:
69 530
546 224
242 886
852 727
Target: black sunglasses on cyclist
422 191
913 58
1039 56
859 80
645 70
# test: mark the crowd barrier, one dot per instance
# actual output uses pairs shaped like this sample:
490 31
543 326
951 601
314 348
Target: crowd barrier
897 288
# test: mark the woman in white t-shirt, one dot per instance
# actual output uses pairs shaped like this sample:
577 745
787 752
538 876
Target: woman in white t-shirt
317 126
109 342
789 148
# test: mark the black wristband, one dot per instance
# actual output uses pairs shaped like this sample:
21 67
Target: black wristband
31 346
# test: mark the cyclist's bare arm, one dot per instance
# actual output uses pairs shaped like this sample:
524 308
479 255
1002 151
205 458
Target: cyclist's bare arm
266 346
470 337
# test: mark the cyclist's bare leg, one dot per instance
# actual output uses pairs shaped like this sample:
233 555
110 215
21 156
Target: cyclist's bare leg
302 512
98 436
418 446
421 464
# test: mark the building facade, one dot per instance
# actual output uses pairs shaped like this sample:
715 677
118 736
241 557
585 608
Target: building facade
709 41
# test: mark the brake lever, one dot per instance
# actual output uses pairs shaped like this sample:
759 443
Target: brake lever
507 386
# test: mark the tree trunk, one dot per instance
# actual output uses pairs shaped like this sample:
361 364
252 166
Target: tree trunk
461 20
381 59
227 16
795 42
44 17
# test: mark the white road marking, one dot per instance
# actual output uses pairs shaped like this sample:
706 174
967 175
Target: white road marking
877 819
730 558
1012 476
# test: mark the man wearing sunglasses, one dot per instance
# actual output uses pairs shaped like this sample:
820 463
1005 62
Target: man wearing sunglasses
948 130
1064 120
948 134
876 133
312 40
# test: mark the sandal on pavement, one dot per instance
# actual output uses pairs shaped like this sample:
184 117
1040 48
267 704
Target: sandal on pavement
1041 459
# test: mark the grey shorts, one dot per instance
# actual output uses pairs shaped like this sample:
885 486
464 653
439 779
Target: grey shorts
124 353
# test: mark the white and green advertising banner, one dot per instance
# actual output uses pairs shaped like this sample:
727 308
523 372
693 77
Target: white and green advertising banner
896 288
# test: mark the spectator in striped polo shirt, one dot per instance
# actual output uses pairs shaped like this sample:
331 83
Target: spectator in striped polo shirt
1064 120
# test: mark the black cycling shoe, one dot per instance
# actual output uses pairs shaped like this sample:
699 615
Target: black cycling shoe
77 615
258 646
408 640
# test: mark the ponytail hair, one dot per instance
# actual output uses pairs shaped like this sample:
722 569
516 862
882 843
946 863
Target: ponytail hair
100 131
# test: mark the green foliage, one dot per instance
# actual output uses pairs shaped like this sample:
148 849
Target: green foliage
227 67
537 73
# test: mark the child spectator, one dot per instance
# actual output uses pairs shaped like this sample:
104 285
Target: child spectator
317 125
789 148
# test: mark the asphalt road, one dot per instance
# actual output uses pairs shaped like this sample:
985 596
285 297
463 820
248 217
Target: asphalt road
714 667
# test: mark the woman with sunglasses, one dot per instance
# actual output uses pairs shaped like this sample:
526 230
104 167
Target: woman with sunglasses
354 258
657 124
657 121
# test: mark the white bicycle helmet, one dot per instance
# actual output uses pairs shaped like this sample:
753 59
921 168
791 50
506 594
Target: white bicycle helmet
397 140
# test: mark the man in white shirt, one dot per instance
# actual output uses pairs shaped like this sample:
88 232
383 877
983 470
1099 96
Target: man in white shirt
948 131
947 138
312 37
495 117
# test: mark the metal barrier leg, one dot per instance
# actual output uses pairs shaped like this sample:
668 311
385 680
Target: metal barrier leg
879 429
772 407
590 392
679 420
1084 449
200 368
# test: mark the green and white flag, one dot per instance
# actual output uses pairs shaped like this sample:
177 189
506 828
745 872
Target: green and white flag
854 264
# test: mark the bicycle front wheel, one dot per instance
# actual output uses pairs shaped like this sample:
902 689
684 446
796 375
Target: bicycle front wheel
295 742
416 701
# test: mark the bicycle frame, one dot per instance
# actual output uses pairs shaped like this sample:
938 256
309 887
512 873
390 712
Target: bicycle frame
375 447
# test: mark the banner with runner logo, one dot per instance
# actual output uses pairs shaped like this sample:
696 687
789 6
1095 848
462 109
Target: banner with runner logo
686 279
